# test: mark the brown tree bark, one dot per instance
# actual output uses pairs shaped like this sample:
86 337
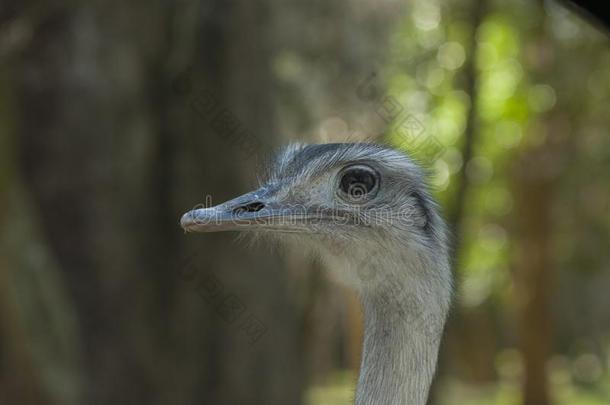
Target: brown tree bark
535 175
129 115
471 337
533 282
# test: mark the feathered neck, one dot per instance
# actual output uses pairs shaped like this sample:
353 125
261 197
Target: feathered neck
404 316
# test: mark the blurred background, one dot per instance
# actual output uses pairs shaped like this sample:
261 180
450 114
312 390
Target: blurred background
117 117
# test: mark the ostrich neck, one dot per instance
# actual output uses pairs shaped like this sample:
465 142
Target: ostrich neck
403 327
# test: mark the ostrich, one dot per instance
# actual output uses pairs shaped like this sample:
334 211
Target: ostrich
365 210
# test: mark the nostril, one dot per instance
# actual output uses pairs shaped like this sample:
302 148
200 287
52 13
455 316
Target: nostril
252 207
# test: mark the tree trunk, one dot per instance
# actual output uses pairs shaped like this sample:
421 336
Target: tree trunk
533 190
124 127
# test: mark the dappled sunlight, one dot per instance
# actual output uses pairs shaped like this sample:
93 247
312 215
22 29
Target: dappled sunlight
390 178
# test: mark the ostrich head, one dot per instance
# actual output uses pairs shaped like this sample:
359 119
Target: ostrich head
366 210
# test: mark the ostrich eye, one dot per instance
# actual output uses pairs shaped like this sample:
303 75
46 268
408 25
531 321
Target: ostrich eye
358 183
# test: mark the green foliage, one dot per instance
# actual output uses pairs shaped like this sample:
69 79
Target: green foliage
538 73
338 390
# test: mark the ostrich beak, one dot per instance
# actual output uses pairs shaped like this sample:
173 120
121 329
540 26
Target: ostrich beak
255 210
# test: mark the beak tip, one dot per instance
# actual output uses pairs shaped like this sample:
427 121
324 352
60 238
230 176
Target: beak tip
197 220
187 220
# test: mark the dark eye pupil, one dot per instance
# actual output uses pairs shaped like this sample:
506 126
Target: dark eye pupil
357 183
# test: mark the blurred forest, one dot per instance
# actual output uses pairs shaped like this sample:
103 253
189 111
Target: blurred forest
115 118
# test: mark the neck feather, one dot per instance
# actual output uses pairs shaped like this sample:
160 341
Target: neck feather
404 318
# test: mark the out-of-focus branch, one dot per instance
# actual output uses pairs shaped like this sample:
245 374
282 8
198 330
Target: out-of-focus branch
456 216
